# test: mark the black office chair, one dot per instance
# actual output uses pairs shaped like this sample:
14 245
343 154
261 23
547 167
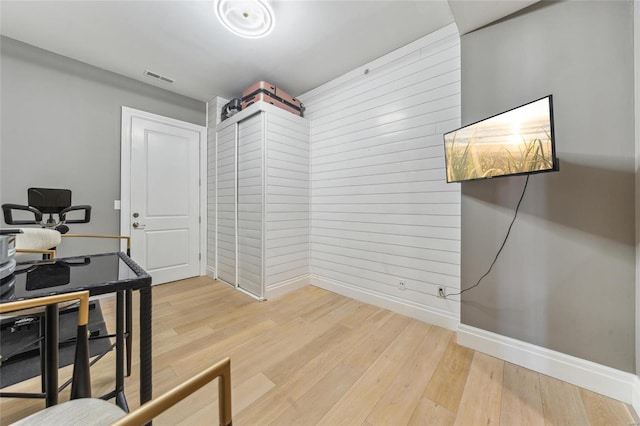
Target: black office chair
52 201
43 201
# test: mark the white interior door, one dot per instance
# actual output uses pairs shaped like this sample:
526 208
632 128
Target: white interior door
164 210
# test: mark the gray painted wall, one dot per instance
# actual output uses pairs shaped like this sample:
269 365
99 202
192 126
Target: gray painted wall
566 278
636 56
60 128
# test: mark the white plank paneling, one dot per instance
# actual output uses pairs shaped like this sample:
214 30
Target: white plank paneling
269 180
213 114
250 208
381 210
226 205
287 199
214 108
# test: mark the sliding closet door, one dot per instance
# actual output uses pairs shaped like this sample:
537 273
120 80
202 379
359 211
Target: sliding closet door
226 204
250 204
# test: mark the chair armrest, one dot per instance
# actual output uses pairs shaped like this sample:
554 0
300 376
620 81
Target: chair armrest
82 296
81 377
87 214
8 216
51 252
158 405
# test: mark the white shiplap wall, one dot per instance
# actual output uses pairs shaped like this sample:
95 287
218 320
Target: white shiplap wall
287 203
226 204
381 210
250 210
214 107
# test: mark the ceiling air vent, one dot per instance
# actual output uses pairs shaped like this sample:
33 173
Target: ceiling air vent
158 76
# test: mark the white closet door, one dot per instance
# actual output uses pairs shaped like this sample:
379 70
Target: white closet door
226 214
287 206
250 204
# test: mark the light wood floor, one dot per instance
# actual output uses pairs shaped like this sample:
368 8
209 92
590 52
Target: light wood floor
314 357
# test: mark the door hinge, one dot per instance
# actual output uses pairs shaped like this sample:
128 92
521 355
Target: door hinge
199 256
199 219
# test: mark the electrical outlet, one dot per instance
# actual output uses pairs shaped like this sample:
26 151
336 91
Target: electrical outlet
441 291
402 286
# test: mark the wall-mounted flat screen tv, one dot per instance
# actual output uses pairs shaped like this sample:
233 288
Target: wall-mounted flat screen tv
515 142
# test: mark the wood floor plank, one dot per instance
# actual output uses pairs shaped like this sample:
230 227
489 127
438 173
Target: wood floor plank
371 385
447 383
561 403
300 381
300 357
251 359
323 309
360 314
248 392
401 398
482 396
188 363
311 407
602 411
429 413
281 371
313 297
521 400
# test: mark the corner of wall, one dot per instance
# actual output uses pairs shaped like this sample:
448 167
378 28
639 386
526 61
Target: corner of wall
384 222
636 79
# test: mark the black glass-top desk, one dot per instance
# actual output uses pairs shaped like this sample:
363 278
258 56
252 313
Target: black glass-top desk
98 274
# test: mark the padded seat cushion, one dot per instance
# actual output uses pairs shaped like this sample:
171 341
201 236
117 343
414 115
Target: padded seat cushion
38 239
77 412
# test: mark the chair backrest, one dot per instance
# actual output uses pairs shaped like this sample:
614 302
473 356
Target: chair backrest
98 412
49 200
149 410
81 379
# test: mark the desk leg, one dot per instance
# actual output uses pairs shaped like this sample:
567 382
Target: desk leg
43 358
120 330
146 383
129 327
51 355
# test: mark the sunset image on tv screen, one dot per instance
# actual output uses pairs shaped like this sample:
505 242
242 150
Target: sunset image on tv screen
515 142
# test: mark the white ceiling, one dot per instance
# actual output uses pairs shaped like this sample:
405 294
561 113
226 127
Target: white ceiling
314 41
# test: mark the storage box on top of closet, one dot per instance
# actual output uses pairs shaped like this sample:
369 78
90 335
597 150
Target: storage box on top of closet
267 92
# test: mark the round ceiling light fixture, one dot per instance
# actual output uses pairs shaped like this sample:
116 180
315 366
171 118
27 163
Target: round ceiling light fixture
246 18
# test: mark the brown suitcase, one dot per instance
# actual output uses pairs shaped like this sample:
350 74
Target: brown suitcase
273 92
271 100
261 85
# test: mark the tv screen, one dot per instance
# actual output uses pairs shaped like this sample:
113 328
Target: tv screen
515 142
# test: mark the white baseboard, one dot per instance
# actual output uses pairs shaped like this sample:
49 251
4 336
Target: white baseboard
211 273
414 310
598 378
635 395
284 287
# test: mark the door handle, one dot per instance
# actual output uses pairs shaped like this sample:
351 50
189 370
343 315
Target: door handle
138 226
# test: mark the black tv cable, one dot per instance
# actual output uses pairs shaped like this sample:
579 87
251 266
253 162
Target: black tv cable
501 247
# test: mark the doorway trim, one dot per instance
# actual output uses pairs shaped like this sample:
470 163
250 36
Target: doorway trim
125 174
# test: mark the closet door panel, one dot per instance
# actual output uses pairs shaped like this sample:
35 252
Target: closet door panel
226 205
250 204
287 200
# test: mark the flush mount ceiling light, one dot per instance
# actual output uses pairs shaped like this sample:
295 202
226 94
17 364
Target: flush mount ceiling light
246 18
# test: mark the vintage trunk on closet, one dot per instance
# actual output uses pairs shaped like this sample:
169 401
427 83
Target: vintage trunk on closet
262 199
